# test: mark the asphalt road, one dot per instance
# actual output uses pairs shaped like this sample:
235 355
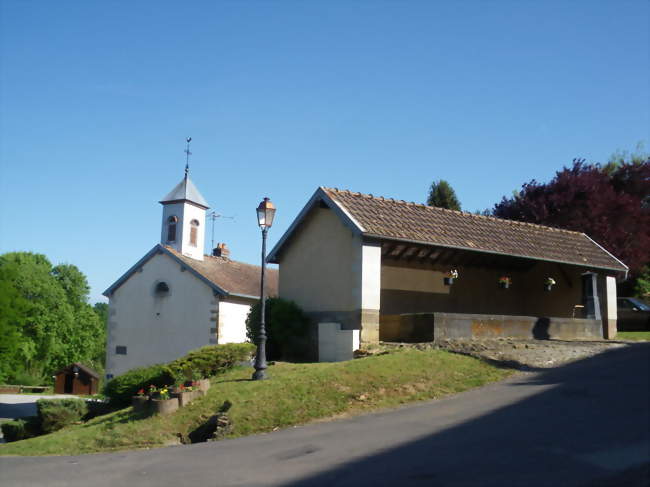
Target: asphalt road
583 424
22 405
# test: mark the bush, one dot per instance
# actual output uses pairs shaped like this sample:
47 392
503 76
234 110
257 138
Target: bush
120 389
213 359
20 429
55 414
287 328
206 361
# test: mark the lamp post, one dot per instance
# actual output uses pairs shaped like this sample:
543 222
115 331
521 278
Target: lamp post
265 214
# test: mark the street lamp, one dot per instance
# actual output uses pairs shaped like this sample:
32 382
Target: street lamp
265 214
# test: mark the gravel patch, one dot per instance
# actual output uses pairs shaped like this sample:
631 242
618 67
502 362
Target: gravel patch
524 354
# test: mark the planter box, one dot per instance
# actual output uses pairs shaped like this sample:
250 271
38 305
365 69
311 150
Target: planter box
184 398
140 403
204 385
164 406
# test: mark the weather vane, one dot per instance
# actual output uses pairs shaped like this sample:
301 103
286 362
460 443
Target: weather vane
187 156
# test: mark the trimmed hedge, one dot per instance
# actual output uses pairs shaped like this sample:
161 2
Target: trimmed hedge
21 429
55 414
206 362
120 389
213 359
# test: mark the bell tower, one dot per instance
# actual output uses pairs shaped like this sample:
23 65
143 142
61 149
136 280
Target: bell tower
183 218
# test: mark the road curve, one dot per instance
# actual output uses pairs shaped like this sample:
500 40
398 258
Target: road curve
582 424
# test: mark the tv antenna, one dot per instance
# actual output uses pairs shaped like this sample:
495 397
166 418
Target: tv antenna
213 215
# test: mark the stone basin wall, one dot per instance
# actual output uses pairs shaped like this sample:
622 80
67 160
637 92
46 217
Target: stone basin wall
426 327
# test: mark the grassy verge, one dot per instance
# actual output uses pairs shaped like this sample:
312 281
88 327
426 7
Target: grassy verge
295 394
639 336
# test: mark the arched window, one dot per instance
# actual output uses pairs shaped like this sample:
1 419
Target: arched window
162 289
194 230
171 228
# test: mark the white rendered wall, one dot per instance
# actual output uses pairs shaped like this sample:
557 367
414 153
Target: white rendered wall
158 329
185 212
336 345
370 276
232 321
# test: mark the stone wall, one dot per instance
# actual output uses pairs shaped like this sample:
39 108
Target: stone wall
423 327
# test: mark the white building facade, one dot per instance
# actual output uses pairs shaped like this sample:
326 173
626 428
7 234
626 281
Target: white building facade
176 299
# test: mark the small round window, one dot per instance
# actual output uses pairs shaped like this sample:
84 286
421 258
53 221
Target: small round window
162 289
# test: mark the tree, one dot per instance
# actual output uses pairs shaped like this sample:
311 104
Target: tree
13 345
442 195
609 203
47 318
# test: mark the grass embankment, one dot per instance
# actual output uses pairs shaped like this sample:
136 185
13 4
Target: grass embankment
637 336
295 394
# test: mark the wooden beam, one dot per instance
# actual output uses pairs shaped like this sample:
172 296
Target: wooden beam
410 252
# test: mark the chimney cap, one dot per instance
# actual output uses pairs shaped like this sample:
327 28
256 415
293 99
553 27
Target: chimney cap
221 250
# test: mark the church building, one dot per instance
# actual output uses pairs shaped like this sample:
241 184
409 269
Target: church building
175 298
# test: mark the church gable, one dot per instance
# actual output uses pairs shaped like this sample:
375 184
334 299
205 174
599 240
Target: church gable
159 250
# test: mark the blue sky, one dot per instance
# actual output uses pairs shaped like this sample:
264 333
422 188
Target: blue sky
280 97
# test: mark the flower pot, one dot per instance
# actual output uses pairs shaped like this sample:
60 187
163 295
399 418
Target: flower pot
548 287
185 397
448 281
139 403
504 285
164 406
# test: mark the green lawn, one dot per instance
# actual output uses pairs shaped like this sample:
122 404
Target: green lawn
294 394
639 336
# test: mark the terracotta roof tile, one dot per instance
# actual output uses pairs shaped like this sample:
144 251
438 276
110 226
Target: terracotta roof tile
232 276
396 219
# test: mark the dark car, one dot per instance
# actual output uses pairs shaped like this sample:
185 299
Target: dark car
633 314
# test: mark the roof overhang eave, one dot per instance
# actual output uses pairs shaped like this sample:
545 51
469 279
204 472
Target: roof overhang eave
470 249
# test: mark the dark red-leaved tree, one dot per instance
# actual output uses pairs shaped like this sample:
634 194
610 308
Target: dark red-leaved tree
611 204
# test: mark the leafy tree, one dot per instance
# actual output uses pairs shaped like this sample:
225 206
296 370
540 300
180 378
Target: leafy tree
73 282
442 195
642 286
47 319
610 204
101 309
287 328
13 345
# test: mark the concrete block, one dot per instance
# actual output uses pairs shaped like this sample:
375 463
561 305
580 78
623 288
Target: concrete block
336 345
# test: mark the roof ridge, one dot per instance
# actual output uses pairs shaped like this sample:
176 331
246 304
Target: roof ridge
466 213
214 257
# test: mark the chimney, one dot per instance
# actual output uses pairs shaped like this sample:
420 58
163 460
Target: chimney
221 250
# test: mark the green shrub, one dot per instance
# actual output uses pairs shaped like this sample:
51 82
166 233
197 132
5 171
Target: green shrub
120 389
213 359
20 429
55 414
287 328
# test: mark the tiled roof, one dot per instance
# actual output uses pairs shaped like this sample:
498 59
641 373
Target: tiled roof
399 220
81 367
232 276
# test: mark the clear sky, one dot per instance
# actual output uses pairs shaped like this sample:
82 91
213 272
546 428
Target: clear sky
280 97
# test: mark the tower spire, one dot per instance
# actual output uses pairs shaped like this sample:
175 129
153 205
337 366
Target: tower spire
187 157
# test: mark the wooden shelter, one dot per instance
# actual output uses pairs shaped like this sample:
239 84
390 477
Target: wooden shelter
76 379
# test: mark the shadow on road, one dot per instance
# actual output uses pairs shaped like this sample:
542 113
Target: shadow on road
589 426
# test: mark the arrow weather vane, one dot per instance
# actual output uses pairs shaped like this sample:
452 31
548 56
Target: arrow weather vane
187 156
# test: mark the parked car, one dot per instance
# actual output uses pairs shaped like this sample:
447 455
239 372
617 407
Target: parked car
633 314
